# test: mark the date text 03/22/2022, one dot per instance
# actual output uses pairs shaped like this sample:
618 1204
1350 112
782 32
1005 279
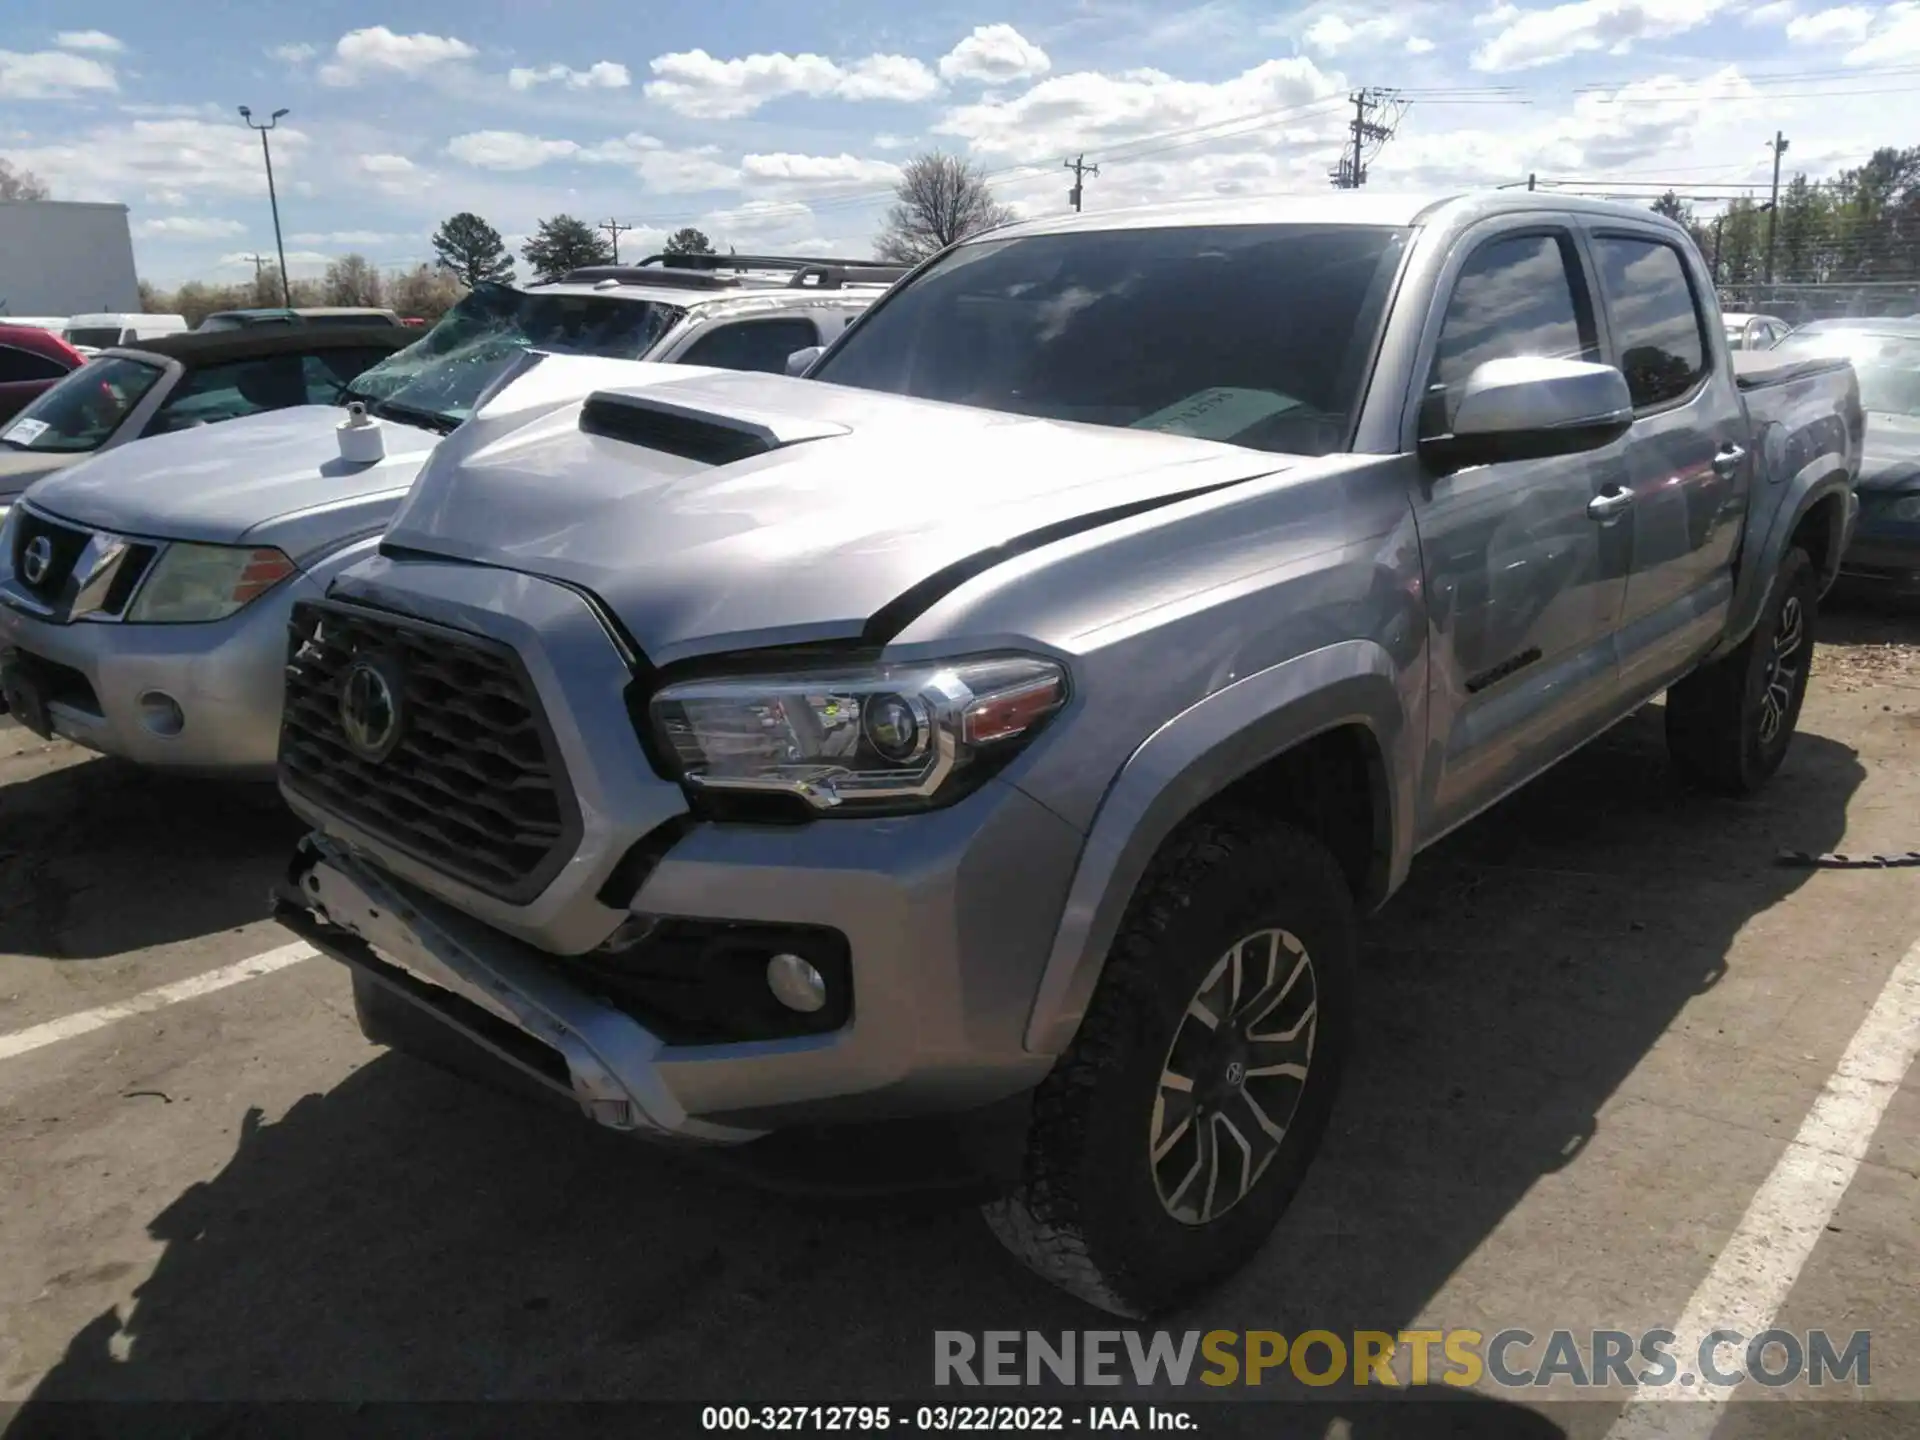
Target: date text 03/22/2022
934 1419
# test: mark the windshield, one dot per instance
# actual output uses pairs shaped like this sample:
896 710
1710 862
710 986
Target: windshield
1257 335
1888 365
445 371
82 411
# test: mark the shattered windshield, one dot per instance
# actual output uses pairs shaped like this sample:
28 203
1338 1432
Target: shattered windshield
439 377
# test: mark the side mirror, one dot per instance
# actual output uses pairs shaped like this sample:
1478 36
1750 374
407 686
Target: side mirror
800 361
1528 408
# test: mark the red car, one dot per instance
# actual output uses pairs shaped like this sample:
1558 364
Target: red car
31 359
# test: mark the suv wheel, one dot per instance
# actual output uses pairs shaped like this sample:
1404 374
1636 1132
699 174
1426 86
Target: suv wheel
1729 723
1176 1128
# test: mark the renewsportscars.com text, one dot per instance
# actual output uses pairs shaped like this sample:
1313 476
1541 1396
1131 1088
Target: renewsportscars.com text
1508 1359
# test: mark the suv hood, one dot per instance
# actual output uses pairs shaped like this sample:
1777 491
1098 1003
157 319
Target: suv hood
223 483
855 498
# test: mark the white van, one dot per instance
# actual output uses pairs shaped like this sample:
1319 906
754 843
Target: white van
87 333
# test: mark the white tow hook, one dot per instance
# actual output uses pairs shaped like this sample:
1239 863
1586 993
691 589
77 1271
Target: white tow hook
362 440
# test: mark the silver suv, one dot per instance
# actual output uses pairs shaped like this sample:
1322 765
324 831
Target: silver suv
980 751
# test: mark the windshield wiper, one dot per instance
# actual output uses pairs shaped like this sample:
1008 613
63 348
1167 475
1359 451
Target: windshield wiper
417 414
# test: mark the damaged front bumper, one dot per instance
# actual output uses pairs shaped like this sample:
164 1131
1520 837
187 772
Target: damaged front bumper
473 980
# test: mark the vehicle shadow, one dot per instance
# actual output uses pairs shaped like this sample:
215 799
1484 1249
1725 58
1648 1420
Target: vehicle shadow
405 1236
101 857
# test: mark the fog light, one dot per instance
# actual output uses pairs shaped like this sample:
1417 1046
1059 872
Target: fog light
161 714
796 984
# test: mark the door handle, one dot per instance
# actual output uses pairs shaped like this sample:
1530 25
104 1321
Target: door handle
1609 507
1728 460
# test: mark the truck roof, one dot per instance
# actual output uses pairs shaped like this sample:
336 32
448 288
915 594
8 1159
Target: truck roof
1332 207
768 297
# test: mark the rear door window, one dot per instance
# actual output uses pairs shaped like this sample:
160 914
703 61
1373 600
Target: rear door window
1657 326
761 345
16 365
1518 295
81 412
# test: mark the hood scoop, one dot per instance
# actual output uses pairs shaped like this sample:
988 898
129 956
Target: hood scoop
706 437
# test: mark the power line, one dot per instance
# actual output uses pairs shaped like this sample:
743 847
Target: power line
1368 134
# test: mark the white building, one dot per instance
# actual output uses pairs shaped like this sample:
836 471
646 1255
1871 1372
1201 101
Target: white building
58 257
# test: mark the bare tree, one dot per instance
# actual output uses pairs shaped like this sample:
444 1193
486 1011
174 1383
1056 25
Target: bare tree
426 292
940 199
351 280
22 184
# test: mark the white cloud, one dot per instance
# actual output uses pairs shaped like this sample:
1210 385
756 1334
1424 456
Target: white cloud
818 169
297 54
994 55
1896 38
1418 45
601 75
696 84
299 262
1541 37
1332 33
892 142
376 49
52 75
386 164
189 227
162 161
508 150
1843 25
662 168
1775 12
88 40
1080 111
346 237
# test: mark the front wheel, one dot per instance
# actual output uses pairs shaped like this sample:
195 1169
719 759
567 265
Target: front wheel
1729 723
1174 1132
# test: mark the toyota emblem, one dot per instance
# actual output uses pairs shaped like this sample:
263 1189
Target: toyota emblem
1236 1072
37 559
370 713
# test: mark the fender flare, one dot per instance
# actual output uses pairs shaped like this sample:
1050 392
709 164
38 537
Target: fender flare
1756 580
1190 759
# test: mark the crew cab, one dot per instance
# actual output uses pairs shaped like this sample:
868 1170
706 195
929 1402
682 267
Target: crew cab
983 747
154 629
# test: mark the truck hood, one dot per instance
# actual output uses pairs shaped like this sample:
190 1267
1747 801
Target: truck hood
279 471
854 499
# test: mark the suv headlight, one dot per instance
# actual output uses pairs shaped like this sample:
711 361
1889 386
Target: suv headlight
882 737
192 583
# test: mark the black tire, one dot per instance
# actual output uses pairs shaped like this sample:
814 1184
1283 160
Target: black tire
1729 723
1088 1213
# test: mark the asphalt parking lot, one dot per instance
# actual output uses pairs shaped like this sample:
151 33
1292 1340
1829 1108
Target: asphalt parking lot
1596 1024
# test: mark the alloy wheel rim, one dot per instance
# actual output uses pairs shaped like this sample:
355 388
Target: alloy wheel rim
1233 1076
1783 669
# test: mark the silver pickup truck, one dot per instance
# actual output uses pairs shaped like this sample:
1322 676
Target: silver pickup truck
979 752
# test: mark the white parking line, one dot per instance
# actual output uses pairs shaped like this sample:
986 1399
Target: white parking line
1757 1269
34 1037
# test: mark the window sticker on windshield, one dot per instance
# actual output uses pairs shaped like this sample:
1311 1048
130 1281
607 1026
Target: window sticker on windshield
25 432
1217 414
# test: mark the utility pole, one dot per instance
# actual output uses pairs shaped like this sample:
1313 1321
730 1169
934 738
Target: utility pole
286 288
258 261
1773 205
1351 173
614 229
1078 165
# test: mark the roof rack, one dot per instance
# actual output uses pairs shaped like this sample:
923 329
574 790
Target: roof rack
718 263
839 275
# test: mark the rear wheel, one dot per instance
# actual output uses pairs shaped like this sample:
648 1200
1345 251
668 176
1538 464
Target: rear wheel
1175 1130
1729 723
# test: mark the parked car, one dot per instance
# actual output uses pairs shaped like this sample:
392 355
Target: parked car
1753 332
1884 556
90 334
305 315
220 533
983 746
31 359
55 323
176 383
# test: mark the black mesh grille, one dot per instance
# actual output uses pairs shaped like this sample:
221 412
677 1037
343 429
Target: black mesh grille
473 787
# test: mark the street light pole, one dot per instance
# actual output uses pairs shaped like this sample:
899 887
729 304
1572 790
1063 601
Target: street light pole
273 199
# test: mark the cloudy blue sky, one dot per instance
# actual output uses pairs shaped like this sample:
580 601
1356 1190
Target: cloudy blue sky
779 124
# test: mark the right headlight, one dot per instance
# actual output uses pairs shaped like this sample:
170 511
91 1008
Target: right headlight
884 737
197 583
1906 507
